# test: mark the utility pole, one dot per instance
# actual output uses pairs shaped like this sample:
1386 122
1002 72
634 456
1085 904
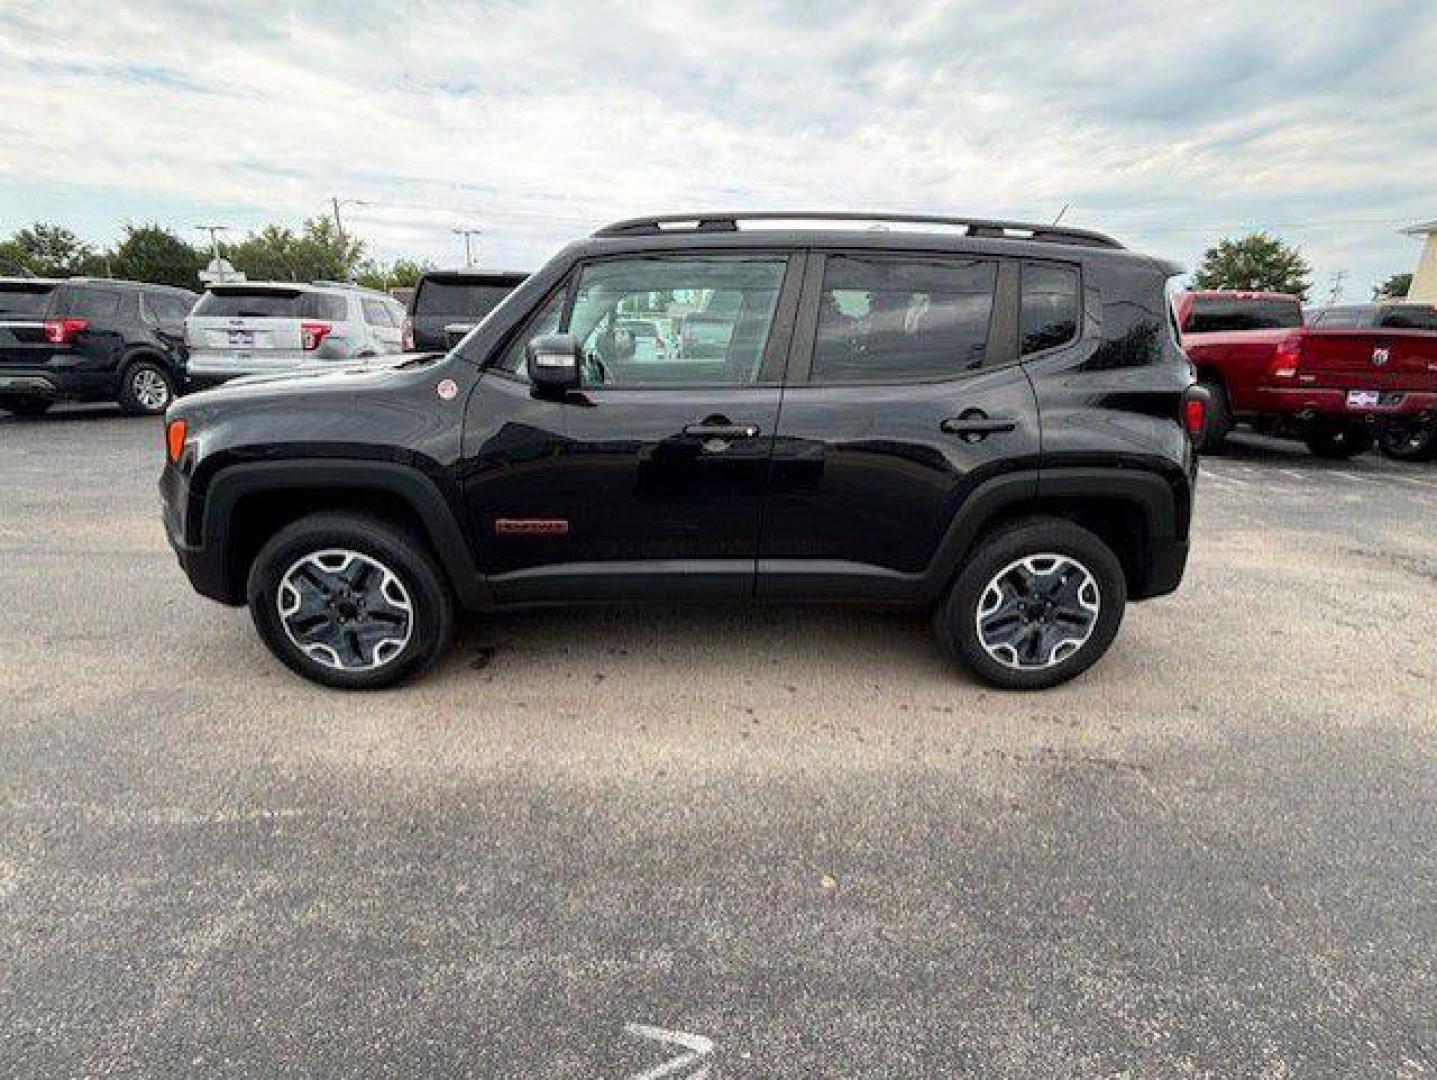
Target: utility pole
467 232
214 231
338 225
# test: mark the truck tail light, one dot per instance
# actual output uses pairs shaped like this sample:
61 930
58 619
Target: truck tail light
64 331
407 343
312 334
175 433
1286 357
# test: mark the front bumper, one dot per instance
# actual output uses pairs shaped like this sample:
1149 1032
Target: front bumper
202 560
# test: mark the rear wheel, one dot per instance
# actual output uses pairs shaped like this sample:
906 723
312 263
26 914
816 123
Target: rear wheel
1411 441
146 389
25 406
1219 417
350 601
1340 441
1035 605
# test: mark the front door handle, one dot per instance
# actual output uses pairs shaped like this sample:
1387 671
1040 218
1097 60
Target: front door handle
722 431
976 425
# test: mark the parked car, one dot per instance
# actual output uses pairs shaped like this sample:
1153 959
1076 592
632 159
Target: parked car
258 327
90 339
987 420
1334 382
449 303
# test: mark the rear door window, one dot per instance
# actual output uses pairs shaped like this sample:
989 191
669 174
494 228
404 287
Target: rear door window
376 313
1214 315
1049 313
25 301
902 318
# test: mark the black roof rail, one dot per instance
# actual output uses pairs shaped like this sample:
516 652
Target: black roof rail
979 227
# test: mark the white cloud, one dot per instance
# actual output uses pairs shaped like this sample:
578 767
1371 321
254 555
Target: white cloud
539 120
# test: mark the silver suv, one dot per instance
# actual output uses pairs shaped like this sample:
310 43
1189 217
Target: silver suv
262 327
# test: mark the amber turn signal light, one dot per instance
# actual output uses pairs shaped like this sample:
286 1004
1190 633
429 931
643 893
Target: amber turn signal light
175 434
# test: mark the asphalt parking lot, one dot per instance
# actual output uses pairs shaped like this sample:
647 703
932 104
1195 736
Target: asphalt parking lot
798 834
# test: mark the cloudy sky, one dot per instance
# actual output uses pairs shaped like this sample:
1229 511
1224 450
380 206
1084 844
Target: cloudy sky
1166 124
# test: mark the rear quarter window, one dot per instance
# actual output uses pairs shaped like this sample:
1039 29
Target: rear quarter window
79 303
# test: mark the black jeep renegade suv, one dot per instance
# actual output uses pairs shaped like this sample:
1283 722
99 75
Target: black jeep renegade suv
989 420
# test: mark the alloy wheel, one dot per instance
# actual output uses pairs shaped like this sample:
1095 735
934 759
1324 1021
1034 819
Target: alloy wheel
150 389
1038 611
345 610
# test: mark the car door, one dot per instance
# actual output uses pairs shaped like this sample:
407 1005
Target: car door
650 477
904 394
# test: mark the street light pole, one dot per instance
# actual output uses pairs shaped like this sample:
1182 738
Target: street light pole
467 232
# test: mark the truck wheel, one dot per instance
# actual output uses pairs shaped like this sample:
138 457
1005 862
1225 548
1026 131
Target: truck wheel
350 601
25 406
1414 441
1219 418
146 389
1339 442
1035 605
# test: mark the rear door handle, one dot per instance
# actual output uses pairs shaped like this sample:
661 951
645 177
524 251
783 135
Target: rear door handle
976 425
722 431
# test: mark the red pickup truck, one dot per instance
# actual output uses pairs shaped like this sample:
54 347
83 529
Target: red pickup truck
1343 379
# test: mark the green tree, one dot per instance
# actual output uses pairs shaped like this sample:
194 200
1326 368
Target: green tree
1257 261
12 259
150 253
400 274
1394 288
49 250
316 252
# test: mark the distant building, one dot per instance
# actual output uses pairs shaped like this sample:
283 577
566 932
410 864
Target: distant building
1424 280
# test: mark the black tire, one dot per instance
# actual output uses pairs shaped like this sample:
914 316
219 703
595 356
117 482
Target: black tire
146 388
1219 418
25 406
1339 442
958 615
403 555
1413 441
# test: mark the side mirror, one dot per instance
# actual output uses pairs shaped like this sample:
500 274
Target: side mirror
553 363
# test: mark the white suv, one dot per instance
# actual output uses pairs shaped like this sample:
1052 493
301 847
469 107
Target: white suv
262 327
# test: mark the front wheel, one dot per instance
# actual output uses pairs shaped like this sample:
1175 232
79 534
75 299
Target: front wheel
1339 442
1036 605
1413 441
350 601
146 389
25 406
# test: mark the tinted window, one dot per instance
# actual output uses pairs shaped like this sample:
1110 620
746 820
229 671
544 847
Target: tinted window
1212 315
376 313
24 301
899 319
437 297
544 321
272 304
705 320
1408 317
167 308
1050 306
89 303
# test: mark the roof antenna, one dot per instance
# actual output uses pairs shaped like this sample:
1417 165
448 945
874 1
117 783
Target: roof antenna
1061 213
